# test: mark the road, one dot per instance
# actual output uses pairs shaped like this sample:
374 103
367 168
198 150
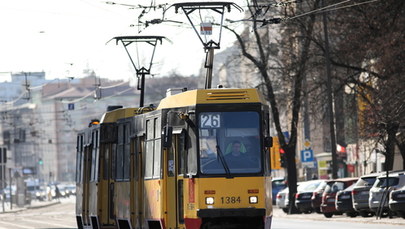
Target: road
56 216
62 215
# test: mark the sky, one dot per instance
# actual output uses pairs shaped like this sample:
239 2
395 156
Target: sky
65 37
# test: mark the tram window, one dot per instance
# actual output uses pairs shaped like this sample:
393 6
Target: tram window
191 154
158 129
127 154
149 160
113 160
157 160
120 152
106 155
96 169
93 156
149 130
181 146
77 158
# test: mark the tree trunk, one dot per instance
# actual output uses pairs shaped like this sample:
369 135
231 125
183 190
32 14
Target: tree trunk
392 129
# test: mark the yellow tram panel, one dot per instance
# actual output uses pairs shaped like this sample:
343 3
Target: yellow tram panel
153 199
231 193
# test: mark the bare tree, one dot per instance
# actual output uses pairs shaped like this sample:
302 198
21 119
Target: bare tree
295 53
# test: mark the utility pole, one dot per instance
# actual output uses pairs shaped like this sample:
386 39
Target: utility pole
330 96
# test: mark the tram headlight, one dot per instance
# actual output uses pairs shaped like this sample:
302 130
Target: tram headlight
209 200
253 199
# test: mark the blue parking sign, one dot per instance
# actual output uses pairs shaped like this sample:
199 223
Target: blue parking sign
307 155
71 106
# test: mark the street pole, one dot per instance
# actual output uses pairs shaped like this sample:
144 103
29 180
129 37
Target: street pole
330 97
209 62
3 183
11 193
142 89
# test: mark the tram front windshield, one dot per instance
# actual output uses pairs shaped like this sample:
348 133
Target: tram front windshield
230 142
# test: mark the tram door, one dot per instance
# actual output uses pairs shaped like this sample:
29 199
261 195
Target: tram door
105 184
135 174
174 181
86 180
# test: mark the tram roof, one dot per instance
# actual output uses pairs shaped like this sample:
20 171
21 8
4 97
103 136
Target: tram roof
212 96
115 115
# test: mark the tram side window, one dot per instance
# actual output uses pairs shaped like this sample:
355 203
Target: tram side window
182 152
149 150
96 151
93 156
191 153
120 152
127 153
79 158
153 149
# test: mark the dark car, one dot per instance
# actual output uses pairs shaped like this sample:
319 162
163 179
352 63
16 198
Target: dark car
304 194
316 199
361 193
277 184
344 202
397 202
328 206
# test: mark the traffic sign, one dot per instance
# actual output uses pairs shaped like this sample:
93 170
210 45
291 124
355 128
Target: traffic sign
307 155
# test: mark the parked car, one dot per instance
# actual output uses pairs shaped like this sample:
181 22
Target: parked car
379 193
277 184
304 194
282 200
316 199
397 202
344 202
71 189
328 206
41 193
361 193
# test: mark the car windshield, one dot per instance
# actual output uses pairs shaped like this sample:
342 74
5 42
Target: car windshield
229 142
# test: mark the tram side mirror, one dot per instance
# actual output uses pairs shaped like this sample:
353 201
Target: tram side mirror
268 141
167 136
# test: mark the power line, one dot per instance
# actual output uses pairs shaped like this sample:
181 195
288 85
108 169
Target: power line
278 20
322 8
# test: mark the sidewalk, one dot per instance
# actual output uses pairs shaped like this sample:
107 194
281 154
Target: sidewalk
34 205
277 212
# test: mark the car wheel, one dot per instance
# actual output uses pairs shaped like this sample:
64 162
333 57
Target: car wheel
285 210
352 214
366 214
401 214
328 215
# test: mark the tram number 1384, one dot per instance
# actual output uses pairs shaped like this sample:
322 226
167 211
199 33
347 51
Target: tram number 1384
230 199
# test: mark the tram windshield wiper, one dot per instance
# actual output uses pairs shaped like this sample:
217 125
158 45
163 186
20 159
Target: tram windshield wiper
223 162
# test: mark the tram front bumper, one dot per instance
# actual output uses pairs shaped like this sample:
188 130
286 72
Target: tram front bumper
224 212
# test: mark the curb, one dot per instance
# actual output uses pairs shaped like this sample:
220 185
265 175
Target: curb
30 207
43 205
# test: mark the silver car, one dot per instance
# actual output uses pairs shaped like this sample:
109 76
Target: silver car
360 194
379 193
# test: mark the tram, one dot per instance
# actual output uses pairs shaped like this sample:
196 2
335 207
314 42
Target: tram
199 160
